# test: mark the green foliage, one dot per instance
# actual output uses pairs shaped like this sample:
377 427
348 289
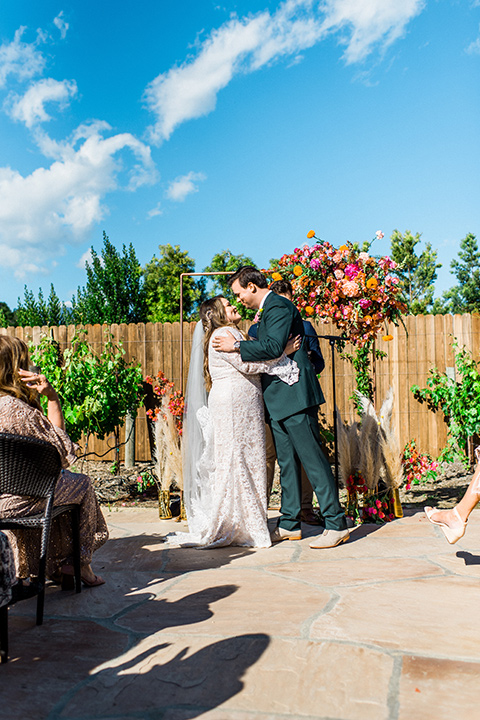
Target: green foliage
96 391
458 399
417 273
465 296
38 311
361 359
226 261
7 318
114 292
162 285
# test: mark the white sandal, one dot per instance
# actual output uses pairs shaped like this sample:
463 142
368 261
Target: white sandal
451 534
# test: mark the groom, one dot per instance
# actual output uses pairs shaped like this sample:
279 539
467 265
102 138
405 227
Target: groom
293 409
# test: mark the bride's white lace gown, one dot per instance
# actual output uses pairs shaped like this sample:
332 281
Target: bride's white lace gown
231 508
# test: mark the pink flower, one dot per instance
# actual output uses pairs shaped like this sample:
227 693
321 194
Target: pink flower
379 235
338 274
364 303
315 264
351 271
364 256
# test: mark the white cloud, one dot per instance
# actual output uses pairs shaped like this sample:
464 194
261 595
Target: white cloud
185 185
474 47
157 210
61 203
243 45
60 23
30 108
369 22
19 59
86 257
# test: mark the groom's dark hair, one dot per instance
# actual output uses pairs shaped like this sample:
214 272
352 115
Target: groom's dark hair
248 274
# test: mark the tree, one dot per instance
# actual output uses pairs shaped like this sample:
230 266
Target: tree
417 273
225 261
38 311
465 296
162 285
7 317
114 292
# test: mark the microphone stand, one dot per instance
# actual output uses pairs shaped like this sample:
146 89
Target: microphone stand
332 340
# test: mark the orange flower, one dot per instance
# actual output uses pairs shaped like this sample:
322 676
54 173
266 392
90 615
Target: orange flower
387 338
276 276
343 247
372 283
309 310
310 234
297 270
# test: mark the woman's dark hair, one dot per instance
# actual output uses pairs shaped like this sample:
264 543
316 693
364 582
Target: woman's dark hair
249 274
282 287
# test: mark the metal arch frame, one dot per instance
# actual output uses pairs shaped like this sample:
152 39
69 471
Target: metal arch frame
332 339
196 274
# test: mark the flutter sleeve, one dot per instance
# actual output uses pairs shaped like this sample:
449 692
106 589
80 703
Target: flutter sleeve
283 367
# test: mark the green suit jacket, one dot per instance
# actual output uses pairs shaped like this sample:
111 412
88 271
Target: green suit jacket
280 319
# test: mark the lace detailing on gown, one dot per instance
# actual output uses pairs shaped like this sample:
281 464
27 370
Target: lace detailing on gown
231 504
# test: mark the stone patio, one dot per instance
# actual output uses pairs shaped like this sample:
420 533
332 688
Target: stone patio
383 627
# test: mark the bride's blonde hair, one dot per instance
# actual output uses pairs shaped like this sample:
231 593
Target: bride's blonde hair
213 316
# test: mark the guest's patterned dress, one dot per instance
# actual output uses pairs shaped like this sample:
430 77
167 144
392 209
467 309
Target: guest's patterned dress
18 418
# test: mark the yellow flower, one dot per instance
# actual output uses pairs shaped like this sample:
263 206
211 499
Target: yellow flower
276 276
310 234
387 338
372 283
309 310
343 247
297 270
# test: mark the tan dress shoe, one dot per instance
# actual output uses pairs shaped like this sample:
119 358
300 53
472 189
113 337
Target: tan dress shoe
280 534
329 539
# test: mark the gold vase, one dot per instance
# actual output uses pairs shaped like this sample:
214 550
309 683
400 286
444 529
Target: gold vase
164 512
397 505
183 513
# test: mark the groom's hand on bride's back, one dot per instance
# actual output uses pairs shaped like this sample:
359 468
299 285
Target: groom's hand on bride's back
293 344
224 343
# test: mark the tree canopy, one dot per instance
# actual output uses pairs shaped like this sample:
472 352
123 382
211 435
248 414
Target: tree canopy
417 273
162 285
114 292
465 296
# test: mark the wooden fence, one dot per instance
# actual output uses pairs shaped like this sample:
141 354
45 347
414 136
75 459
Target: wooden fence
425 342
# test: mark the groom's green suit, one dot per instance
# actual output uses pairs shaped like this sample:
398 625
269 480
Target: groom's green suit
293 411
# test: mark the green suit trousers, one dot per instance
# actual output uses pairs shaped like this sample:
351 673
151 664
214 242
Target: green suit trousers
297 442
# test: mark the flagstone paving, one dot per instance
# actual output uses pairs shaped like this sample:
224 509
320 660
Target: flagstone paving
383 627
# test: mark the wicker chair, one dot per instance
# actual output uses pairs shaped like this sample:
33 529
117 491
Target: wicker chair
7 580
32 467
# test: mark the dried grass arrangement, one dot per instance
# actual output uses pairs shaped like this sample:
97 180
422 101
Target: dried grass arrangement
167 451
370 462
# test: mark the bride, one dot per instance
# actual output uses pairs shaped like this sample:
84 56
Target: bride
224 465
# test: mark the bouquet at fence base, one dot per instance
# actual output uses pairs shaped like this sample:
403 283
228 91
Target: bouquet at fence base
370 463
167 419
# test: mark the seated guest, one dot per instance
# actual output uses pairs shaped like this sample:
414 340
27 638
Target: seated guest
284 287
21 414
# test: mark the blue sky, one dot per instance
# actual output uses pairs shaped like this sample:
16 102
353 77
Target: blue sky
238 125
